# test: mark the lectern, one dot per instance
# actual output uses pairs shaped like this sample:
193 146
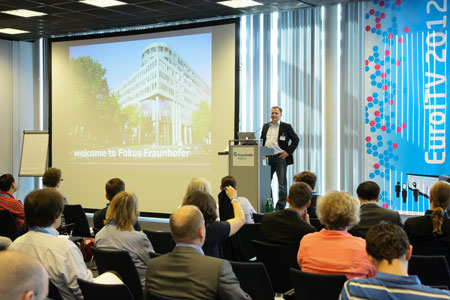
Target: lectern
248 164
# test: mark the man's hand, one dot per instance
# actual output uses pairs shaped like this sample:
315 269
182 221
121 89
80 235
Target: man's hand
305 216
284 155
231 192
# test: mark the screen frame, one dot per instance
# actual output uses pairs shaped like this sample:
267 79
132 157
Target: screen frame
171 27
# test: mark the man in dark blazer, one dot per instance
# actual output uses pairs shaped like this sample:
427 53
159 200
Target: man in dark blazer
287 227
280 137
370 212
186 273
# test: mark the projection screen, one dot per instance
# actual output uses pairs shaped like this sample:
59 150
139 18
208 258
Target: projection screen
153 109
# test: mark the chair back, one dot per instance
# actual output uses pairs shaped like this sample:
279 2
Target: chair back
75 214
152 296
257 218
162 241
245 236
309 286
277 259
254 279
120 262
431 269
8 226
95 291
53 292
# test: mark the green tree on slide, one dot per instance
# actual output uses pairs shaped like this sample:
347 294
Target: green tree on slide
95 109
201 119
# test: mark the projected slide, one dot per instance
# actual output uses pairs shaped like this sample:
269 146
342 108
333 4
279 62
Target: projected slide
141 101
152 107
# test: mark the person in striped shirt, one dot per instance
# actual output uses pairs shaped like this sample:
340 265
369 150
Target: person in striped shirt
389 250
8 186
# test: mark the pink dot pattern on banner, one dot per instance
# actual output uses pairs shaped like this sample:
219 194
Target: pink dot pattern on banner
382 64
385 205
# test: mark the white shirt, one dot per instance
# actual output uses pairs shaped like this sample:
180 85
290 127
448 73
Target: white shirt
272 138
248 210
61 258
135 242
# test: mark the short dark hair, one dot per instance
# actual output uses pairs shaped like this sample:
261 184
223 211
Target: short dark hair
6 181
228 181
205 202
42 207
113 187
368 190
307 177
386 241
277 107
52 177
299 194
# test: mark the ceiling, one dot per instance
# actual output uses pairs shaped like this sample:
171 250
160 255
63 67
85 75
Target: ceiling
68 17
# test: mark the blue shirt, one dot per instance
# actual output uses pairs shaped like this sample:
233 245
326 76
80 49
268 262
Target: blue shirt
386 286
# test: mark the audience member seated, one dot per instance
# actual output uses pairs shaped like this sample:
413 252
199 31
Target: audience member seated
370 213
22 277
309 178
198 184
118 232
186 273
430 234
287 227
216 231
8 187
52 178
333 250
112 187
226 210
389 250
61 257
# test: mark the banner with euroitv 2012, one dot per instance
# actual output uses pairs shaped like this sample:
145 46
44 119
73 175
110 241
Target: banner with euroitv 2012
407 117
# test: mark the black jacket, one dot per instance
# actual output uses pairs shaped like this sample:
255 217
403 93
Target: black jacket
286 134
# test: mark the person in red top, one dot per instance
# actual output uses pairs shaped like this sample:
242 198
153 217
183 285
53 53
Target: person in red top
8 186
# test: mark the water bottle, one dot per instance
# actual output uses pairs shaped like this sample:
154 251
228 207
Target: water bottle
269 205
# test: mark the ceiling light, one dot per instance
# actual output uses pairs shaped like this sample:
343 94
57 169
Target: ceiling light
240 3
103 3
24 13
12 31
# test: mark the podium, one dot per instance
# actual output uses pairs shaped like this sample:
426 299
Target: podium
246 162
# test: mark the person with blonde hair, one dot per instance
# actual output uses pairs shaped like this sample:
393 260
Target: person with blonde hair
430 234
198 184
333 250
118 232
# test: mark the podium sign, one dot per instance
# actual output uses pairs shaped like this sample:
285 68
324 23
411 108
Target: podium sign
248 164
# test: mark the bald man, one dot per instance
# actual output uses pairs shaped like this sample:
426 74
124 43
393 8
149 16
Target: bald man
186 272
22 277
